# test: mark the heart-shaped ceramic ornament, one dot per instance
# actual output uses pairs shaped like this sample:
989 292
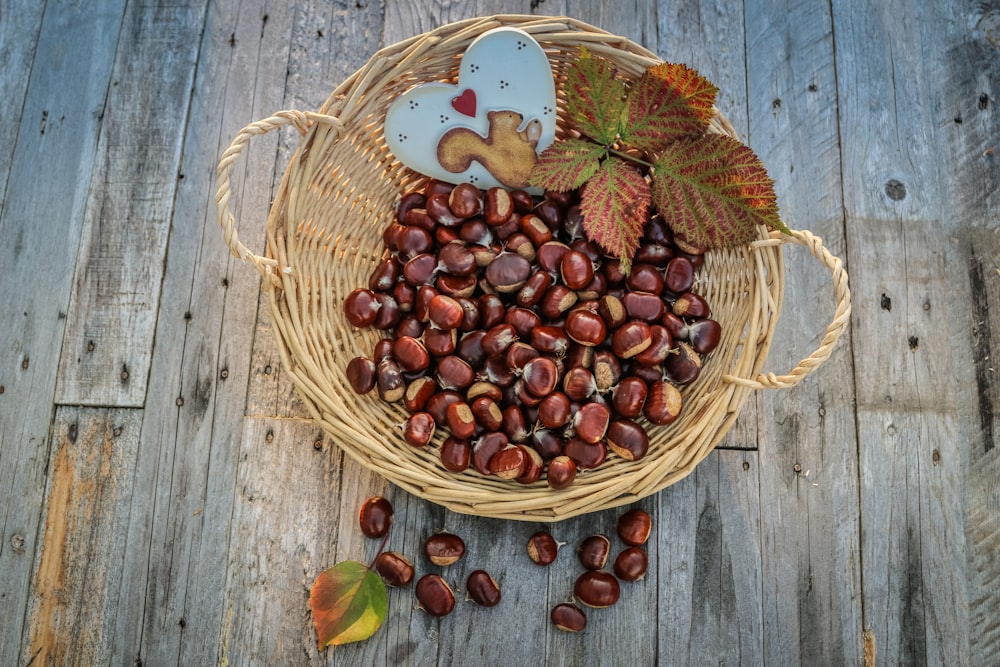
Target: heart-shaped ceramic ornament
489 128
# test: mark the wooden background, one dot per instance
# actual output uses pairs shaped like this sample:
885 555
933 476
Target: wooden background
163 499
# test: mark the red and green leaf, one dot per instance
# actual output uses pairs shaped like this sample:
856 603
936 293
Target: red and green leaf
348 603
714 191
668 102
566 165
595 97
615 206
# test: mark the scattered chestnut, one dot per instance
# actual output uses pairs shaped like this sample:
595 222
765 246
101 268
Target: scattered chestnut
482 589
445 312
435 595
375 516
444 548
510 462
704 335
394 568
389 380
691 305
540 376
567 616
542 548
627 439
597 588
663 403
498 207
508 272
631 564
629 396
586 327
590 422
593 552
456 454
410 354
630 339
361 307
634 527
576 269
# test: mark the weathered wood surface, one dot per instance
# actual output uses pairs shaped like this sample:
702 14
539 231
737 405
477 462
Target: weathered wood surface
177 515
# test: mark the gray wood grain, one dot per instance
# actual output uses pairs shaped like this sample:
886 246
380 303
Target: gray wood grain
53 152
112 315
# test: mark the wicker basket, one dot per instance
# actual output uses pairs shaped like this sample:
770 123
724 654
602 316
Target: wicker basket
324 237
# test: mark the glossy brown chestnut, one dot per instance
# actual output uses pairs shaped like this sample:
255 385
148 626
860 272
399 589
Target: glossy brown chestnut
554 410
519 354
590 422
499 338
465 200
410 354
663 403
435 595
579 383
631 564
485 447
418 429
535 229
444 549
394 568
540 376
461 422
691 305
409 325
456 454
627 439
482 589
453 372
679 275
596 588
444 312
644 306
375 516
413 241
628 397
534 289
576 269
568 617
593 552
389 381
438 404
634 527
550 339
585 327
440 342
645 278
612 310
607 370
498 206
524 321
585 455
509 463
546 442
420 270
660 346
388 314
561 472
361 307
557 300
385 275
704 335
684 366
418 392
456 286
542 548
515 427
361 374
487 413
456 259
630 339
412 199
533 467
550 256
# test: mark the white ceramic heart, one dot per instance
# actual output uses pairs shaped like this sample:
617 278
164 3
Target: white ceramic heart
503 74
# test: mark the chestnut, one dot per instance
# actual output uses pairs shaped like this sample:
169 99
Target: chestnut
634 527
557 300
704 335
389 380
684 366
567 616
663 403
628 396
388 314
444 312
375 516
546 442
456 454
550 256
465 200
461 422
607 370
394 568
630 339
542 548
361 374
485 447
660 346
510 462
385 275
593 552
644 278
412 199
691 305
361 307
540 376
534 289
579 383
554 410
561 472
596 588
533 466
482 589
535 229
631 564
590 422
576 269
499 338
627 439
520 243
444 548
453 372
418 429
498 207
644 306
550 339
584 454
585 327
410 354
438 404
418 392
679 275
487 413
419 270
508 272
435 595
440 342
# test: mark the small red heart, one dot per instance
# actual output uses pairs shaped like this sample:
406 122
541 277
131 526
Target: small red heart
465 103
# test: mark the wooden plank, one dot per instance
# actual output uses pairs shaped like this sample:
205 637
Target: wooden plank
710 570
112 316
178 551
53 152
19 34
294 515
808 454
82 542
917 181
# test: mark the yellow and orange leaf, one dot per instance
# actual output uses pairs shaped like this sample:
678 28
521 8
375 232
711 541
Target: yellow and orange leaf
670 101
348 603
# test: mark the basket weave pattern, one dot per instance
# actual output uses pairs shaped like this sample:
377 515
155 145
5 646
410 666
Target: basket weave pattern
324 236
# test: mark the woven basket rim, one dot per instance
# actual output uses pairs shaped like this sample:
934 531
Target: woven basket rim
341 169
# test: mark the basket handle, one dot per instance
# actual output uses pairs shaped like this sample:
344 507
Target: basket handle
301 120
841 317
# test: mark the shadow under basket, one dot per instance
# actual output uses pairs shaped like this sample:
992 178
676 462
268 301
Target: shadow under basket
324 236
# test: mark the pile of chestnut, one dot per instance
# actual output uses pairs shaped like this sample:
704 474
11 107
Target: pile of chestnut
506 326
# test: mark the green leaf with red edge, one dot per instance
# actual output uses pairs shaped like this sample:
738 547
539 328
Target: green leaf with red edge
714 191
595 97
615 205
348 603
566 165
669 101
